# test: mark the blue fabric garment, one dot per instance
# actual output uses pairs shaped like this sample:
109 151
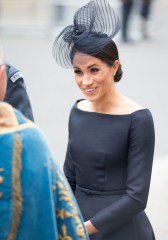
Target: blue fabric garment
35 199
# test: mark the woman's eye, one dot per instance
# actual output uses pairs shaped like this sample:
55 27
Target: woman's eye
78 72
94 70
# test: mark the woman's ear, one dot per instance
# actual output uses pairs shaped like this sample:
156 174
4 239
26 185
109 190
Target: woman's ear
115 66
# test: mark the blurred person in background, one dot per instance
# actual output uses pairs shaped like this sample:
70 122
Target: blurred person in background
126 10
145 13
16 93
111 138
35 199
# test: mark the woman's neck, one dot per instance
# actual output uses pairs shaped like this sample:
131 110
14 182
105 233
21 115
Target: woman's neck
107 104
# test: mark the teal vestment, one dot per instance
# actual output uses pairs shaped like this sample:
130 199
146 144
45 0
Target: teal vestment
36 202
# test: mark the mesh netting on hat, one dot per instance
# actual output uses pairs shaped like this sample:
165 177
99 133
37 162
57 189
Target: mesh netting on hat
95 24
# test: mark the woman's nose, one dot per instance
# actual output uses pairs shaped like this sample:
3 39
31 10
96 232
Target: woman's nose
87 80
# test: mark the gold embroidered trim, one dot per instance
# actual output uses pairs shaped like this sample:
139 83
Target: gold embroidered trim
7 116
23 126
64 195
62 214
64 235
16 188
1 179
80 231
8 120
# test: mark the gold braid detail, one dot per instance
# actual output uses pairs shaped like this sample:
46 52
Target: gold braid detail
62 214
8 120
7 116
16 187
64 234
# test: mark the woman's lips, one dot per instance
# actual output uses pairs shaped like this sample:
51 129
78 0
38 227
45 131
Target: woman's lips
90 91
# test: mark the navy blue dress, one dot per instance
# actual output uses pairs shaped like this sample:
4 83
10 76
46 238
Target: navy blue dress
108 165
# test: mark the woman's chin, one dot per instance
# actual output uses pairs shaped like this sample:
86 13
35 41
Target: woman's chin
92 98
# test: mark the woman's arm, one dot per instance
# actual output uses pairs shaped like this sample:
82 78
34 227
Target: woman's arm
69 170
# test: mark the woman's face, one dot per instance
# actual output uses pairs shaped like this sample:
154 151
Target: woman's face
93 76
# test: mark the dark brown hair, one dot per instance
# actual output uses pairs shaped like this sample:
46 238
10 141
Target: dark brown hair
108 55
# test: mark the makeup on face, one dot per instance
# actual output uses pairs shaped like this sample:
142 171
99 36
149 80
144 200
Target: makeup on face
92 75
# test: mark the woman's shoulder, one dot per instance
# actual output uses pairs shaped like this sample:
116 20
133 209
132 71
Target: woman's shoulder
137 111
129 106
141 117
125 106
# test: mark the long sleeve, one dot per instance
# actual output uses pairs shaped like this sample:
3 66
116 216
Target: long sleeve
139 166
69 168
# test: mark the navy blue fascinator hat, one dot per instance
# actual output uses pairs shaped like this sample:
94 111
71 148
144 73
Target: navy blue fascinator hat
95 24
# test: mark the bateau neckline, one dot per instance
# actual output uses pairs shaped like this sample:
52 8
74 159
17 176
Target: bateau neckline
107 114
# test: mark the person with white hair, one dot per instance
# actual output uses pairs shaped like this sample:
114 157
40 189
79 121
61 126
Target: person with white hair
16 92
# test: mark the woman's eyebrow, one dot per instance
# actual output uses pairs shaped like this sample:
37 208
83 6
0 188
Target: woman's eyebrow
76 67
93 65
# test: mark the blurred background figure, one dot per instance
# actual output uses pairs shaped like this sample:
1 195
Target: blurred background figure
58 12
133 14
126 9
144 13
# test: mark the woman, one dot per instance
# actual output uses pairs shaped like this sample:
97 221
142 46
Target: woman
111 138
